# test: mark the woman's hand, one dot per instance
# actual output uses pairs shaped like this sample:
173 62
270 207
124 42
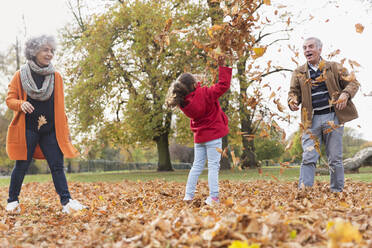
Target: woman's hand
221 60
27 107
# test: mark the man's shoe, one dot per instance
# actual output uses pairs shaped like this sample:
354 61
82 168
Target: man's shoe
13 207
73 205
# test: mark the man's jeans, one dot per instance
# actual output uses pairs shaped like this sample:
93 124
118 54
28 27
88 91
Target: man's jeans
333 147
205 151
54 156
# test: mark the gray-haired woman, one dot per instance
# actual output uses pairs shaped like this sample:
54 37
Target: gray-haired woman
39 127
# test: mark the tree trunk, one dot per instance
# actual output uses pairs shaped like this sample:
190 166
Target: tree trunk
164 162
248 158
216 15
225 162
363 157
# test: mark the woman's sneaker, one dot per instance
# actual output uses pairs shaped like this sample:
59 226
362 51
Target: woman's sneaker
210 201
73 205
13 207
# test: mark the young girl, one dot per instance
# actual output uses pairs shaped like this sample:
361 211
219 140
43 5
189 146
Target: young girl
207 121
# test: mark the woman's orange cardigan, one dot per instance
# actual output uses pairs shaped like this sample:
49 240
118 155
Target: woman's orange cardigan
16 146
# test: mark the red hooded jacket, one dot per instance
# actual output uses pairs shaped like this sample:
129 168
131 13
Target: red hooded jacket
207 120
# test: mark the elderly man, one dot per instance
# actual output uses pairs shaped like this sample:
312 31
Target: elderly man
324 89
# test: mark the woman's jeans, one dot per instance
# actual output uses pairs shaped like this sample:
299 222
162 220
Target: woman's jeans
333 146
54 156
205 151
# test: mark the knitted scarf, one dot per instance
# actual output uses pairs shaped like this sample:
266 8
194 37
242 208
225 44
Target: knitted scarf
29 84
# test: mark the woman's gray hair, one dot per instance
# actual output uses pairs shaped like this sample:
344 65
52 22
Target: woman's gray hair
318 42
34 45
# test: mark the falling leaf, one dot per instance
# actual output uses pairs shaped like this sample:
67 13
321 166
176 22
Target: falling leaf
213 29
168 24
223 152
289 146
294 61
353 63
321 78
321 65
272 95
41 121
249 137
279 105
359 28
267 2
334 53
258 52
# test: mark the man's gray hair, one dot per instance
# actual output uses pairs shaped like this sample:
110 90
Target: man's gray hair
318 42
34 45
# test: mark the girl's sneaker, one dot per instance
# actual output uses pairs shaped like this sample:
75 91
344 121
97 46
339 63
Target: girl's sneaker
188 198
13 207
210 201
73 205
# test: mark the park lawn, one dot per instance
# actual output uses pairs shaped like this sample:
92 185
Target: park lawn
268 173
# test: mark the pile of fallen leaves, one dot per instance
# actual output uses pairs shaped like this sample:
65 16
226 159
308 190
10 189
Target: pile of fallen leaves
152 214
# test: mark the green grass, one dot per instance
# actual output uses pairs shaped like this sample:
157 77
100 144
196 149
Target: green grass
268 173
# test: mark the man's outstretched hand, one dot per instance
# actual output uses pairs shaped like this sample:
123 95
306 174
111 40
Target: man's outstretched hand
293 105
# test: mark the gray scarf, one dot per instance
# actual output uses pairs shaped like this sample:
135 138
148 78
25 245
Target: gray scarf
29 84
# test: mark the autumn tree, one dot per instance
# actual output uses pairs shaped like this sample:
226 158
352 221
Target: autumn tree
10 60
249 29
124 61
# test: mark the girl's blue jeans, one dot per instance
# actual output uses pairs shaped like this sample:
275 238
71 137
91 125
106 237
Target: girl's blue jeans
202 152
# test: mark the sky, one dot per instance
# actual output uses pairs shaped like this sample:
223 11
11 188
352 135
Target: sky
331 21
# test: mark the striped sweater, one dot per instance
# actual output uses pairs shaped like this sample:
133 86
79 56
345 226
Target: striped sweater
319 94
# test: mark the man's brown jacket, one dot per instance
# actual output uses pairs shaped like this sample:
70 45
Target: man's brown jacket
337 81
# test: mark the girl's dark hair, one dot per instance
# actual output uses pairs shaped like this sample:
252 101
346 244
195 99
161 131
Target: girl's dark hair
180 89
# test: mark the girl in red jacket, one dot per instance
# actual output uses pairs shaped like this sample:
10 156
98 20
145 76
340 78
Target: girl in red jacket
208 122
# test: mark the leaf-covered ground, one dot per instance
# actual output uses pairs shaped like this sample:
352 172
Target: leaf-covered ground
152 214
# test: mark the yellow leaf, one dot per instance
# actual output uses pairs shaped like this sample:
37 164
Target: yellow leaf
340 231
293 234
238 244
258 52
321 65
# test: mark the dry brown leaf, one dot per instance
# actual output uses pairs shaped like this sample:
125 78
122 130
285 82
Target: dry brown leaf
223 152
41 121
359 28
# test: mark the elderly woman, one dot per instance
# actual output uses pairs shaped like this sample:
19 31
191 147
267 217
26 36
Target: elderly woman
39 127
